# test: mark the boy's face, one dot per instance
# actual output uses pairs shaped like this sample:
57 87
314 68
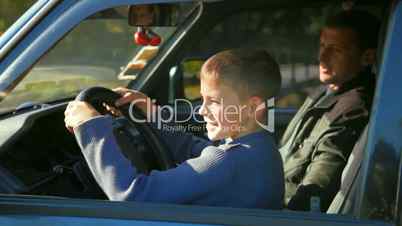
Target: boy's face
222 109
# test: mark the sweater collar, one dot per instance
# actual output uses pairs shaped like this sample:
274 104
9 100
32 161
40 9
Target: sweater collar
246 139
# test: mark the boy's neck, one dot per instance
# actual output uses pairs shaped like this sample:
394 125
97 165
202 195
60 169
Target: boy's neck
244 133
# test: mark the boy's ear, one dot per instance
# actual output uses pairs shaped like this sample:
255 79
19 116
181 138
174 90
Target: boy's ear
257 105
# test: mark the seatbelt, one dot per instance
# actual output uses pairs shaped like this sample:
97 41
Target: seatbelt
349 173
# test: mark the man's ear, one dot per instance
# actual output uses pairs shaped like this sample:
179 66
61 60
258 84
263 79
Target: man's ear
368 57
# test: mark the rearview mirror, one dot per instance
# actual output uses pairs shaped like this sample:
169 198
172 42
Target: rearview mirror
153 15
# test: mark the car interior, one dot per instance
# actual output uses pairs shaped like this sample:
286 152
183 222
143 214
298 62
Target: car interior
38 156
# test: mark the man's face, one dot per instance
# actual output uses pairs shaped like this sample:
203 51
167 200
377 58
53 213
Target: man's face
221 108
340 57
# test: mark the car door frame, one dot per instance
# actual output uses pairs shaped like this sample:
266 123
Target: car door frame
13 209
380 189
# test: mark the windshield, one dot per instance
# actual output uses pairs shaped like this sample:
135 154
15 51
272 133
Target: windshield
100 51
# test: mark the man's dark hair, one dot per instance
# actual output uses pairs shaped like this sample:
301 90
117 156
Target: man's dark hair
365 25
253 72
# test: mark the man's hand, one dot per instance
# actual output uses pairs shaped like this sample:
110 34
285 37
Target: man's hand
78 112
140 100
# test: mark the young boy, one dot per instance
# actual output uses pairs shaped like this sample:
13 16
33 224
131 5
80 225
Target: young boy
244 171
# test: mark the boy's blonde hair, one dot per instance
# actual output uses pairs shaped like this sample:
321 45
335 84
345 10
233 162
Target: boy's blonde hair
251 72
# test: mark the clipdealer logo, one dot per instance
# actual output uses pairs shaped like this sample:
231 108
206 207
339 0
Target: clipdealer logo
167 114
269 124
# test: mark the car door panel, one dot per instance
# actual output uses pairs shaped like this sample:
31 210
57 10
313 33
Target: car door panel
39 211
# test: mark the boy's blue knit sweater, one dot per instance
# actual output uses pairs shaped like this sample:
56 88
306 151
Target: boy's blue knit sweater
246 172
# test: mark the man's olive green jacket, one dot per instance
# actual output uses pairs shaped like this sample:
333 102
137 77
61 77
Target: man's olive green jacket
316 144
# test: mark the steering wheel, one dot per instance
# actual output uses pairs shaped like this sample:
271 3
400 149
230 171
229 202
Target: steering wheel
155 155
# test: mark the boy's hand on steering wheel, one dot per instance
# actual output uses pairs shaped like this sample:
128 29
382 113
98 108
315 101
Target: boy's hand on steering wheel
78 112
140 100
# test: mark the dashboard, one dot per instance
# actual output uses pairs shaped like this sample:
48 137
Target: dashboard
38 156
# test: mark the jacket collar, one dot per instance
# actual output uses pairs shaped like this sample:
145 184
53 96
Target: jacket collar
364 79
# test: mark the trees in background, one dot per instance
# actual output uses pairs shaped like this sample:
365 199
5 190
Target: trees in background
10 10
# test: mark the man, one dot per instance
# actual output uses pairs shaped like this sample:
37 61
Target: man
317 143
244 171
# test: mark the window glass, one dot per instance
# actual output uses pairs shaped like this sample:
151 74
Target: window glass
191 78
99 52
10 11
291 35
